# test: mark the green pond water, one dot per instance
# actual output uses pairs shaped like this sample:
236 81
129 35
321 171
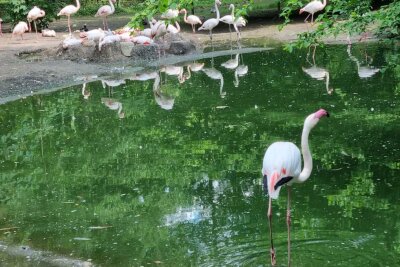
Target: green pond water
167 171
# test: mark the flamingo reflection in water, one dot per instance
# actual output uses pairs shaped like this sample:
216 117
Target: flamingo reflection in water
318 73
240 71
175 71
364 71
215 74
163 100
113 105
195 67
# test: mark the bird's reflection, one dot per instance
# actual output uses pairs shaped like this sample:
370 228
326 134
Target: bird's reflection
215 74
317 73
364 70
195 67
144 76
240 71
175 71
232 63
113 105
163 100
85 93
112 83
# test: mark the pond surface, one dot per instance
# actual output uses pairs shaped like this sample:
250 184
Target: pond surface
164 168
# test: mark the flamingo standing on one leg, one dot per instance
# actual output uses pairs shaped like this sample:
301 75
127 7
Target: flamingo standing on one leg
282 165
34 14
210 24
312 8
191 19
20 29
68 11
106 11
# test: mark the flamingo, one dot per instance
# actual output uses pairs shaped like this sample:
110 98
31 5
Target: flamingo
48 33
313 7
210 24
174 29
20 29
282 165
230 19
34 14
143 40
363 71
170 14
192 19
71 42
109 39
239 22
68 11
106 11
1 32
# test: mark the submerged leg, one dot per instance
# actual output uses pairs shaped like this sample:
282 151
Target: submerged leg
272 251
288 223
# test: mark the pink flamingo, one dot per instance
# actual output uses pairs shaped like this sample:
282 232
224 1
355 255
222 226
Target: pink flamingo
191 19
34 14
68 11
106 11
20 29
312 8
282 165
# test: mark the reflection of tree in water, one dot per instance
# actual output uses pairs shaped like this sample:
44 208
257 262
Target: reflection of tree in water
360 193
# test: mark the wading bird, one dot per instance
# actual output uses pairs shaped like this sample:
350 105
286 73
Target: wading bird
68 11
312 8
191 19
170 14
106 11
34 14
210 24
174 29
230 19
282 165
20 29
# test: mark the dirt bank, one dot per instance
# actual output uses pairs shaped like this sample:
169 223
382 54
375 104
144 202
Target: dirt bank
23 73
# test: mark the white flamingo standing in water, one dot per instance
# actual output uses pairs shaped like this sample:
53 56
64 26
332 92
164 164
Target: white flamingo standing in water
34 14
282 165
68 11
313 7
210 24
191 19
106 11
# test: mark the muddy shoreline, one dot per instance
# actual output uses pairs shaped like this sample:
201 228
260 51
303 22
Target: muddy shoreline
26 71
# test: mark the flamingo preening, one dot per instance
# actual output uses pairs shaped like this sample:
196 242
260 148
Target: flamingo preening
282 165
20 29
174 29
312 8
68 11
191 19
34 14
210 24
106 11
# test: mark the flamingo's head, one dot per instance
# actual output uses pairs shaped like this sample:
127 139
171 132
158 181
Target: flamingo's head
314 118
42 13
218 2
231 6
182 11
301 10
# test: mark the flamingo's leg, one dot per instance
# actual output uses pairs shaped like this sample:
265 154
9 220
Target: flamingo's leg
272 251
106 29
312 18
288 221
34 23
69 25
307 17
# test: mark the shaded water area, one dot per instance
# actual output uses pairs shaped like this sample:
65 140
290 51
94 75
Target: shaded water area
164 167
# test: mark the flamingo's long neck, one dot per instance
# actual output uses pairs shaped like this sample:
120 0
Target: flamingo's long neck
217 10
324 3
185 17
307 159
112 6
78 5
178 27
233 12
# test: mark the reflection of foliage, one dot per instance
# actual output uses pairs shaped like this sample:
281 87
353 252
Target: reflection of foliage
360 194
